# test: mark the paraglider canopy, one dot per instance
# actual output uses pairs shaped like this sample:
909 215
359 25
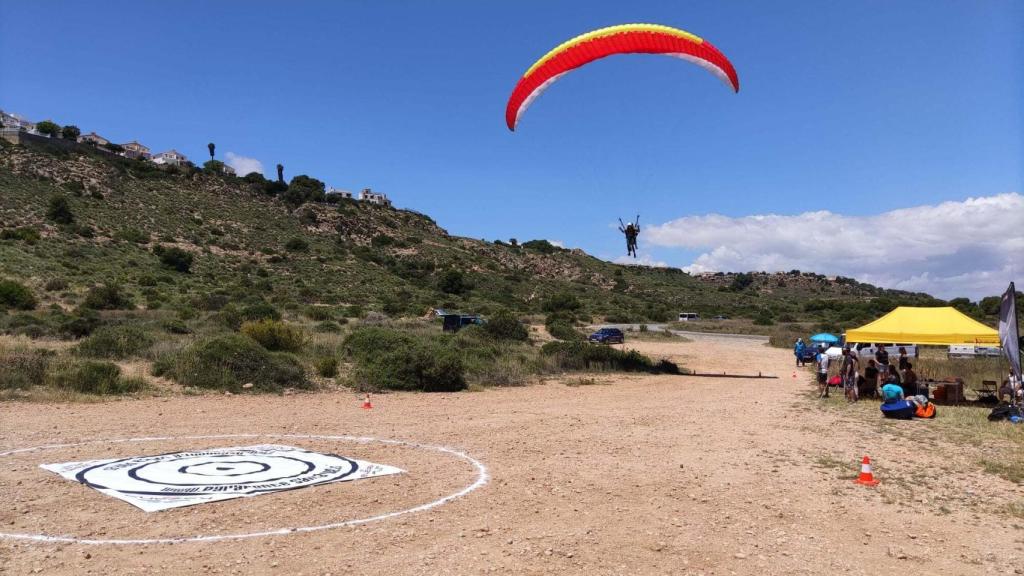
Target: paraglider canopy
622 39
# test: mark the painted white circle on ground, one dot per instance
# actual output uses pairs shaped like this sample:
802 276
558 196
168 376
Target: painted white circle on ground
209 469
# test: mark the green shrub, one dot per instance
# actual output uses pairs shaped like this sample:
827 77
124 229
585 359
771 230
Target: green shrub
174 258
116 342
228 362
260 311
562 302
175 326
328 327
22 368
59 210
107 297
83 323
296 244
133 235
275 335
542 246
327 366
91 377
504 325
389 359
453 282
319 313
56 285
16 296
584 356
27 235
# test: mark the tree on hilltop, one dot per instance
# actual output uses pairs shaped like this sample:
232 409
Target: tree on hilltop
49 128
303 188
280 173
70 132
211 147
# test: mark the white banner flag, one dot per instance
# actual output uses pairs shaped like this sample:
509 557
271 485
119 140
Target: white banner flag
1009 336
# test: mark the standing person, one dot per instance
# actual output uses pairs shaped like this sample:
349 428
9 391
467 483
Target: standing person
822 361
798 350
882 358
870 380
903 359
848 371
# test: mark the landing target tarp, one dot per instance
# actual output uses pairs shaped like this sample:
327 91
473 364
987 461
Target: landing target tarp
185 478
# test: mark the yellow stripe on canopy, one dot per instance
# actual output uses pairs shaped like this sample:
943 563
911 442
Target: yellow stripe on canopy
935 326
608 32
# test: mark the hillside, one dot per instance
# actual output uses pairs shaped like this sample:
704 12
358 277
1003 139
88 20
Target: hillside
248 245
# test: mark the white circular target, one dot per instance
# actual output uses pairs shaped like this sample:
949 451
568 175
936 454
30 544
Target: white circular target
217 470
241 472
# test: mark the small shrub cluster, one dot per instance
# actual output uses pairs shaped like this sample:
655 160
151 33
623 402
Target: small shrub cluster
22 368
504 325
92 377
107 297
174 258
228 362
389 359
583 356
116 342
16 296
27 235
274 335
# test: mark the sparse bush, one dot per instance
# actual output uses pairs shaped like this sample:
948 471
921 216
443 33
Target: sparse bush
174 258
133 235
59 210
22 368
83 323
275 335
107 297
228 362
453 282
542 246
175 326
504 325
562 302
25 234
296 244
563 330
328 327
17 296
327 366
386 358
319 313
583 356
115 342
56 285
91 377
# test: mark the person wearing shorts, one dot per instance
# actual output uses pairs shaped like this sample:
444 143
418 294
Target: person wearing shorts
849 374
822 364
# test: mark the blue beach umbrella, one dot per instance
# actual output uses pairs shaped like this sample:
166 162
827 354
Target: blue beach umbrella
825 337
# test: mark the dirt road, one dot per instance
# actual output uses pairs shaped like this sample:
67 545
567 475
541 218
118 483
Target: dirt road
621 475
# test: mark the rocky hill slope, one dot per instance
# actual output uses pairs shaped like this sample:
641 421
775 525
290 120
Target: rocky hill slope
248 245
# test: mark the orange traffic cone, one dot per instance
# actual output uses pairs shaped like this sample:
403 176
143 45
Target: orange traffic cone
866 477
366 403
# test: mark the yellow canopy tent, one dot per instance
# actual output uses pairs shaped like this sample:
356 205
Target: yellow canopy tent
937 326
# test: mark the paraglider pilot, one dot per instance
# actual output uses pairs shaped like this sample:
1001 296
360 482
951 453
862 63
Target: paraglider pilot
631 230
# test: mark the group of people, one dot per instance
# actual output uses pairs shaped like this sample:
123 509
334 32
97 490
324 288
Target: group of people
880 377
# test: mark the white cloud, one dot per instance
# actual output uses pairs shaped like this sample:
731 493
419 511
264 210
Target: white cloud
968 248
242 164
641 260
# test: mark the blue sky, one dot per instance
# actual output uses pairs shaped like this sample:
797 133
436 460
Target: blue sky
858 108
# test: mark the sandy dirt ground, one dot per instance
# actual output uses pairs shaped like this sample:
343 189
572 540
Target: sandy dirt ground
623 475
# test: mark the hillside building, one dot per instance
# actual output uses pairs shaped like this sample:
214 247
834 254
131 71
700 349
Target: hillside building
170 158
372 197
11 121
339 193
94 139
135 149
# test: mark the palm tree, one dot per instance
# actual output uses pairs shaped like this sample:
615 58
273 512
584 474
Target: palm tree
211 146
280 173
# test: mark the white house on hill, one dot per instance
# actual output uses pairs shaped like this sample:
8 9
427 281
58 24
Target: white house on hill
372 197
93 138
170 158
15 122
134 149
340 193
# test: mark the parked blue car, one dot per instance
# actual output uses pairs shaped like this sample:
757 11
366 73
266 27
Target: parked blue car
608 336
